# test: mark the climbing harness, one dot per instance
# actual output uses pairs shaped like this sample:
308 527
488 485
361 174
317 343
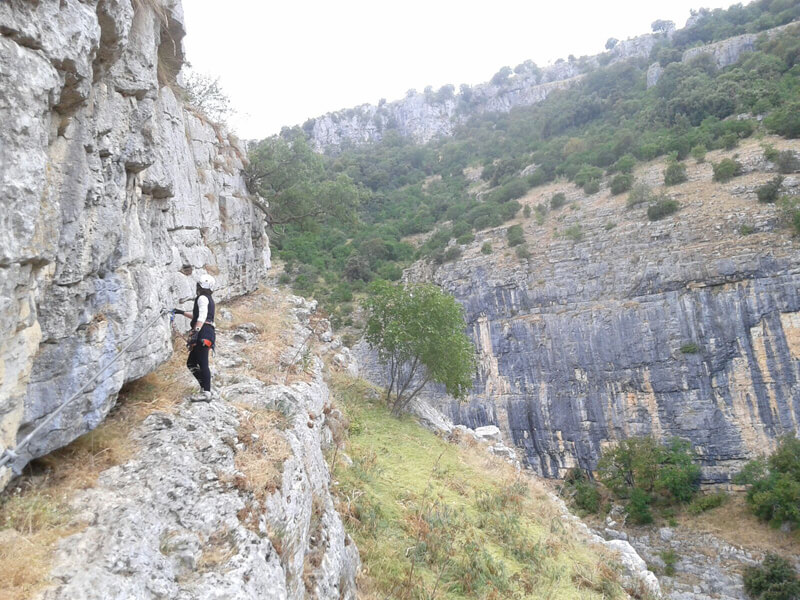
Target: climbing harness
10 455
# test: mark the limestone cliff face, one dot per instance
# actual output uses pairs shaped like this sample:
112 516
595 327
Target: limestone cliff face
113 194
680 327
423 117
723 53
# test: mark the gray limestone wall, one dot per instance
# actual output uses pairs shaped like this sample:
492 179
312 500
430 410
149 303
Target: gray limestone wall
680 327
113 195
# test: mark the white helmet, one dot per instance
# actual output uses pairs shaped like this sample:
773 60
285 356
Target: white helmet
206 282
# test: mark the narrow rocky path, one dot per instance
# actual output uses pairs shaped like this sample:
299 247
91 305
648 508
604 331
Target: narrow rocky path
223 500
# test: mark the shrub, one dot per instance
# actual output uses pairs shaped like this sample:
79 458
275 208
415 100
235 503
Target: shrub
790 212
675 173
641 463
591 187
785 121
584 493
726 169
703 503
574 233
609 226
745 229
558 200
526 212
690 348
515 235
515 188
773 579
774 492
770 153
769 191
465 239
640 193
586 174
730 141
625 164
284 278
620 183
638 507
522 252
486 248
699 153
452 253
787 162
670 558
662 208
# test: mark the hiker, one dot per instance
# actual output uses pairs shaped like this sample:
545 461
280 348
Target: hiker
201 338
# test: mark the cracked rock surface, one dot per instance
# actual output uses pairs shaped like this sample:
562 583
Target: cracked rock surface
112 196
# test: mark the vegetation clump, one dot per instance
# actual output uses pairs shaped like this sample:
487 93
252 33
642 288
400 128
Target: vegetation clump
573 233
707 502
639 194
418 333
770 191
773 579
726 169
515 235
558 200
774 484
621 183
662 208
675 173
787 162
645 472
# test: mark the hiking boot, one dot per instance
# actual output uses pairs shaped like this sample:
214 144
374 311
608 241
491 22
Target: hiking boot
201 397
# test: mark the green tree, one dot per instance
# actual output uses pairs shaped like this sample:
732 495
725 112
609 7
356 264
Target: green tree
292 185
515 235
773 579
418 332
675 173
665 471
774 492
726 169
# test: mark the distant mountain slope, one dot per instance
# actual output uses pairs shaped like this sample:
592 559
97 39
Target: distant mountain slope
431 114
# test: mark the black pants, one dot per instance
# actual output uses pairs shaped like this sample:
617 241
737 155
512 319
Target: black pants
198 365
198 358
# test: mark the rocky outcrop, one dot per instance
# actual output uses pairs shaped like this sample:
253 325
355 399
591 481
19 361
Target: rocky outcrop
425 116
182 519
113 195
723 53
679 327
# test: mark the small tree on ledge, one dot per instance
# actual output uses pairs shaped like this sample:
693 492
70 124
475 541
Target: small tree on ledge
418 332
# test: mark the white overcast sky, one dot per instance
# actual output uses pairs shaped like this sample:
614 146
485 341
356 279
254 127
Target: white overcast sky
283 62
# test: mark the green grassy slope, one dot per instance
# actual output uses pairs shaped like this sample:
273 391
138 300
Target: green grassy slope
434 519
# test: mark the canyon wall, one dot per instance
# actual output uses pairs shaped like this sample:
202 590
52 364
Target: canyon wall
680 327
114 195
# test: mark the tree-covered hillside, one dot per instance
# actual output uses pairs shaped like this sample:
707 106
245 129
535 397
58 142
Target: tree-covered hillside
408 201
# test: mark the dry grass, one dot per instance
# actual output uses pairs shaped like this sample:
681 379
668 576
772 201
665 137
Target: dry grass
269 314
34 510
219 548
734 523
266 449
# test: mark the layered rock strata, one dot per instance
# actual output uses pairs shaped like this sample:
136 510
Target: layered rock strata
679 327
113 196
